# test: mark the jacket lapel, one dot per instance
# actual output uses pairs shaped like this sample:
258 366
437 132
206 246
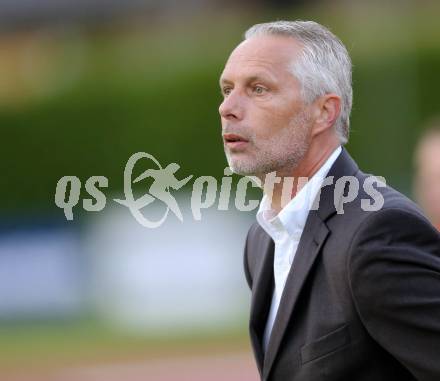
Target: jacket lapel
313 237
261 299
306 254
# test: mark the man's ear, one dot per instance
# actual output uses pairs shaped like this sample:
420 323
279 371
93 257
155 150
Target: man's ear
326 110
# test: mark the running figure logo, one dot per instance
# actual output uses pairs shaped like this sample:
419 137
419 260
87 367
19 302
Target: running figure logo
163 180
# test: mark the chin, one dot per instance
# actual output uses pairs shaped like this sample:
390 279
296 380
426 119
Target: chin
244 169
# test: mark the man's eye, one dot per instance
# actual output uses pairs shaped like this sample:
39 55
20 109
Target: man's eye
259 90
226 90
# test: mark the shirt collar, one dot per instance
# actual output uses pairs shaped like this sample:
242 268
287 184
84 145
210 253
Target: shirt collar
292 218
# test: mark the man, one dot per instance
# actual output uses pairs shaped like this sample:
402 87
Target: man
427 184
340 290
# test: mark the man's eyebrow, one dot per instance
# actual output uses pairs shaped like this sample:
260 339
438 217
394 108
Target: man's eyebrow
224 80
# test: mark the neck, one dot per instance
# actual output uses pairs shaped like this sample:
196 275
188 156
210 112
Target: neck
296 178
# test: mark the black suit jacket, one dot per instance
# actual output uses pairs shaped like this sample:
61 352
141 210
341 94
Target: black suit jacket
362 299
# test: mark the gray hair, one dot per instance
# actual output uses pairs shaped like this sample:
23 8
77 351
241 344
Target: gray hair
323 67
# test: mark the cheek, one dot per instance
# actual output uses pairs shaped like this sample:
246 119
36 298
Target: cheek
430 192
270 119
434 194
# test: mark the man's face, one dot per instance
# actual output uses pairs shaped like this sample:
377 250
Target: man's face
428 177
264 120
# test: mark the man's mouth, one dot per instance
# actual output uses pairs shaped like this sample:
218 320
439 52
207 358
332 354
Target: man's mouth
234 141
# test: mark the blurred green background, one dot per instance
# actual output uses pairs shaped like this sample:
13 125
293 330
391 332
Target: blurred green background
80 94
81 99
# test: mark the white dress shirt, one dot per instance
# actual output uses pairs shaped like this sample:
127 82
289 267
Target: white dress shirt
286 228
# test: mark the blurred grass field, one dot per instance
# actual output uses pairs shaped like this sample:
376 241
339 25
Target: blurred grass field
47 346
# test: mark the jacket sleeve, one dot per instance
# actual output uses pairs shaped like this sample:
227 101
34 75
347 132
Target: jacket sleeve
394 275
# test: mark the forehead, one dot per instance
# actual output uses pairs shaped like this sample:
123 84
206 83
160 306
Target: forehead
266 54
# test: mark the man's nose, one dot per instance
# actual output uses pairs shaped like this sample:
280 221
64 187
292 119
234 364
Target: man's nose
232 106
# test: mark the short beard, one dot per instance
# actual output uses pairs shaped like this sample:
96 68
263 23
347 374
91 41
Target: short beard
282 152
